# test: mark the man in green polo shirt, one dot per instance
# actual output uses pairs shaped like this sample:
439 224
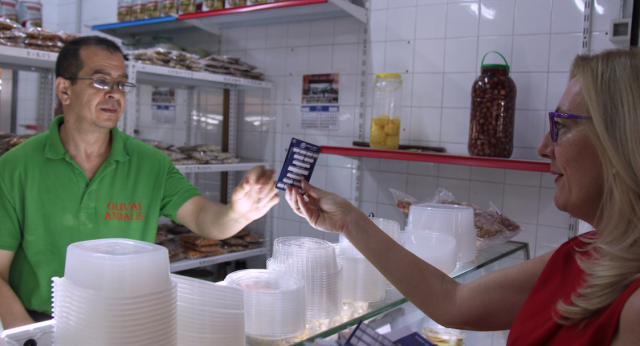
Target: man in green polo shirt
84 179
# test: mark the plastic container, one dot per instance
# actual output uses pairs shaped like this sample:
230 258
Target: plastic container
493 108
9 10
387 106
439 250
454 220
30 14
444 336
138 8
118 267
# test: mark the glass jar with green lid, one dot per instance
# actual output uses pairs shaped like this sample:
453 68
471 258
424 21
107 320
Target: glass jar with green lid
387 106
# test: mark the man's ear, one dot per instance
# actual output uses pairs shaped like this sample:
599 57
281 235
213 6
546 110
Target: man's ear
63 90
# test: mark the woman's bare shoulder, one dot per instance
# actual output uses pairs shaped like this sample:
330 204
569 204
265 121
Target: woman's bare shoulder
628 331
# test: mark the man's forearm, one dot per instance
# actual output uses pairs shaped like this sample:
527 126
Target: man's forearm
12 312
217 221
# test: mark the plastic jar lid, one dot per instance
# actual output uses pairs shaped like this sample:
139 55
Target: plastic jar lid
388 75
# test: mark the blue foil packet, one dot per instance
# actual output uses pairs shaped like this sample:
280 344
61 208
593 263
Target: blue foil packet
299 164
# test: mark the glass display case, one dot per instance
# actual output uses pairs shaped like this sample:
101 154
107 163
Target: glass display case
487 260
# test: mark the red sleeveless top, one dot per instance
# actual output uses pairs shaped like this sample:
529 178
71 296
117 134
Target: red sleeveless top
561 277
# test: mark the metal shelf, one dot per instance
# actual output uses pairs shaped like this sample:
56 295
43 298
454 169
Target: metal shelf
196 263
231 167
159 75
260 14
476 161
13 58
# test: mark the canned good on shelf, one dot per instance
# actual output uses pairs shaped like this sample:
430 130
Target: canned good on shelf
387 105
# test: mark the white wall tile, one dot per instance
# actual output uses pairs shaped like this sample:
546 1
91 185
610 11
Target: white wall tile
423 168
293 90
346 122
307 230
399 57
348 89
520 203
321 32
481 193
425 124
431 21
276 61
529 128
603 12
530 53
402 3
331 237
457 89
557 84
431 2
548 180
340 185
320 59
276 35
379 4
550 238
393 166
291 120
564 48
407 89
549 215
257 37
427 90
368 208
454 125
567 17
460 55
298 34
421 187
462 19
454 171
458 188
345 58
496 18
492 175
429 56
386 181
346 30
287 228
532 17
297 60
369 191
235 39
531 90
378 26
376 61
401 24
522 178
525 154
528 235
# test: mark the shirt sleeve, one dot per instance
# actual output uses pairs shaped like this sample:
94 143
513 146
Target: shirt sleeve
10 235
177 191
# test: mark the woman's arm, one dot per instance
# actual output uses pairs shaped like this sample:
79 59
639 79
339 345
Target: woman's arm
491 302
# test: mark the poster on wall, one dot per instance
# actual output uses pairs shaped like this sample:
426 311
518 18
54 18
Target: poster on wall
321 90
163 105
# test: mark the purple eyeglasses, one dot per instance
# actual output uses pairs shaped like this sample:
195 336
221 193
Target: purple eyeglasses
553 129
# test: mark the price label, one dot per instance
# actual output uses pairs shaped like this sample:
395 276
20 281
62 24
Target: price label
36 54
207 262
233 80
193 169
252 82
180 73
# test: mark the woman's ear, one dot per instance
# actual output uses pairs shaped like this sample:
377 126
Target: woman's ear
63 90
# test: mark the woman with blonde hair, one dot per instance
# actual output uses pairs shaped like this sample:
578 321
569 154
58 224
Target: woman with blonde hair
584 293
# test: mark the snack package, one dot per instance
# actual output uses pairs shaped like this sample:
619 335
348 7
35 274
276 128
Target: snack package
235 242
190 254
492 227
197 240
200 248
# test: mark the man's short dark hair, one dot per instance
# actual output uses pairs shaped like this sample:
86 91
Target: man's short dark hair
69 62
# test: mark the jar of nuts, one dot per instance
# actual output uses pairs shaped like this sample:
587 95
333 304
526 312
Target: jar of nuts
387 104
493 106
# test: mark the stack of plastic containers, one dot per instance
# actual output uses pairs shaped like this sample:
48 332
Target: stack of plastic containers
362 282
208 313
274 302
454 220
115 292
314 261
439 250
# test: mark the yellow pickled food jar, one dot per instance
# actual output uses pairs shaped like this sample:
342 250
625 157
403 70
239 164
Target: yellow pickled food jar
387 106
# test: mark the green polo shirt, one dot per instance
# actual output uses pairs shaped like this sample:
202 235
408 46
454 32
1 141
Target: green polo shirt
47 203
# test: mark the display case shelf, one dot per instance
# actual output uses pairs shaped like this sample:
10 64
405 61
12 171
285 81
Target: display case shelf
26 59
230 167
201 262
394 299
259 14
476 161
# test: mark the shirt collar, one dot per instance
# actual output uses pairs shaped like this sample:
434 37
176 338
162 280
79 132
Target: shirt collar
55 150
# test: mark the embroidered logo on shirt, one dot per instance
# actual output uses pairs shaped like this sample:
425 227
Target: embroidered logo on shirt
124 211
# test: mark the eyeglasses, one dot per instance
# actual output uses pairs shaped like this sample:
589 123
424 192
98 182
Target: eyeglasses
553 126
107 84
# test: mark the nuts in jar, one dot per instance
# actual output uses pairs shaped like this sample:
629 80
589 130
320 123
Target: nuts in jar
493 104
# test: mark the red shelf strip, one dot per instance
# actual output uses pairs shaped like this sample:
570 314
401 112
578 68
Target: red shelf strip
250 8
521 165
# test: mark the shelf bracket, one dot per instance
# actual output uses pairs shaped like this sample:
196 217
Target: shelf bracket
199 23
356 11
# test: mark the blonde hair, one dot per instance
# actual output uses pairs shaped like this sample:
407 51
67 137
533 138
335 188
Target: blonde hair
610 82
